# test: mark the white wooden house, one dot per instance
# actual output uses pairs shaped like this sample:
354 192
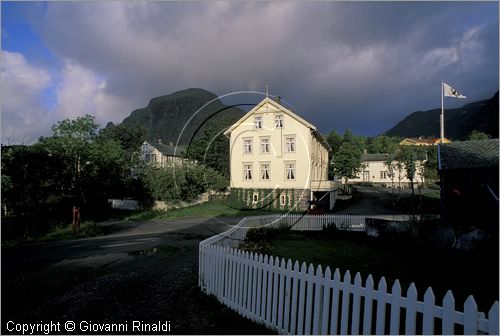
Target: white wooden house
376 170
278 158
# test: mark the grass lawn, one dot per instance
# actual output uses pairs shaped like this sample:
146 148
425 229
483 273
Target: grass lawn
463 273
209 209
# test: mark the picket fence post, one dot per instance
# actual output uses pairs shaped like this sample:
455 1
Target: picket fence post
300 299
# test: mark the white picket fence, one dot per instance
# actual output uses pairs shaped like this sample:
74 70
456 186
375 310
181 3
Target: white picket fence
303 300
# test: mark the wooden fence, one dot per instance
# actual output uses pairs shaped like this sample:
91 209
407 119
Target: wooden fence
299 299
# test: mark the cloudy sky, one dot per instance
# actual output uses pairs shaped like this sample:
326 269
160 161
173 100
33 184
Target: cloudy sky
357 65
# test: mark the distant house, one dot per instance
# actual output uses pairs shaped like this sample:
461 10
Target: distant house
375 170
422 141
469 182
160 154
279 159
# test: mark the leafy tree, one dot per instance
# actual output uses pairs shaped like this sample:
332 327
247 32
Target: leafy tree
334 140
382 144
128 136
182 182
431 164
477 135
211 147
347 162
391 172
71 142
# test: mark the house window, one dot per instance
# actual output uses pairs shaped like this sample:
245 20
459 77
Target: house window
265 144
290 144
278 121
255 198
264 171
247 146
290 171
247 171
282 199
258 122
383 175
150 158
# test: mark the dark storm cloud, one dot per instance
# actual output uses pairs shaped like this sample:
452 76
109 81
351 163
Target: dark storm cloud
356 65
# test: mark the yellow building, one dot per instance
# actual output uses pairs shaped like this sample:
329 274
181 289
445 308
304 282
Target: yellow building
278 159
422 142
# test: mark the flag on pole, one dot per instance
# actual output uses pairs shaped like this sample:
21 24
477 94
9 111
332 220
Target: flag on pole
451 92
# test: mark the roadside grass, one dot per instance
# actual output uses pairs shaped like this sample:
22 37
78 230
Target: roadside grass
60 232
433 194
398 259
206 210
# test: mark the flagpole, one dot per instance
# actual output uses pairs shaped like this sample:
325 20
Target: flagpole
442 112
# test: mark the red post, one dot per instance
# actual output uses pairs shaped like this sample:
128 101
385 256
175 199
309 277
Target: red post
76 219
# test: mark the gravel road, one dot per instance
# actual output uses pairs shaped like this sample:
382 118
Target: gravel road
141 271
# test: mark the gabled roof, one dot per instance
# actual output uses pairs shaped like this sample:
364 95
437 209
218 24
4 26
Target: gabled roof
468 154
166 149
424 142
284 110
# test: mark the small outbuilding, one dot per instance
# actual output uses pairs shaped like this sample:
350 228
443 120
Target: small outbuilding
469 183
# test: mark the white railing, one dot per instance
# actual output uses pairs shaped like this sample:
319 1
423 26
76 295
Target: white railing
304 300
309 222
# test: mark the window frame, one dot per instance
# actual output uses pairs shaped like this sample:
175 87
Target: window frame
293 143
250 146
282 200
279 121
245 164
292 169
261 171
268 138
258 122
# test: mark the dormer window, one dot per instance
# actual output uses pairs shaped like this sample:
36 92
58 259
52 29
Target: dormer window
258 122
278 121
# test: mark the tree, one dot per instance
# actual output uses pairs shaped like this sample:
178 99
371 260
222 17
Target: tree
182 182
210 146
347 162
70 142
391 172
477 135
129 137
407 158
334 140
383 144
431 164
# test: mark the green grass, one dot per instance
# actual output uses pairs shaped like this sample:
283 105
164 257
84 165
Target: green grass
207 210
442 270
87 229
434 194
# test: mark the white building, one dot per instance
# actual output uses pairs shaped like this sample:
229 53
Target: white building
375 170
278 159
160 154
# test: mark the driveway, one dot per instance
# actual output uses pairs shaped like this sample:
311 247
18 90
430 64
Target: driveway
141 271
374 203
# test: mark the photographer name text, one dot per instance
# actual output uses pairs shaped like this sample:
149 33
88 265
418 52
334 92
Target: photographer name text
47 328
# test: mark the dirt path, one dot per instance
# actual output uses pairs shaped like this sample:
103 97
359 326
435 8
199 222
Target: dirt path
142 271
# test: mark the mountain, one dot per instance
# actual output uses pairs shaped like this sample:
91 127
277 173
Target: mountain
459 122
179 114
